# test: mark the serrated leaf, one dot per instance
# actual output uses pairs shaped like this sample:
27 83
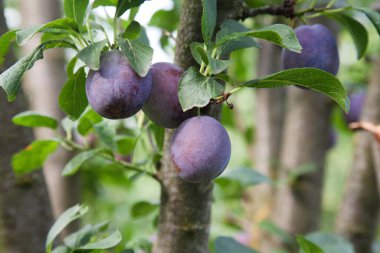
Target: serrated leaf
165 19
98 3
357 31
109 242
139 55
330 243
87 121
33 156
196 90
143 209
73 99
245 177
105 134
76 163
229 27
10 80
91 55
229 245
278 34
209 16
308 246
372 15
311 78
33 119
124 5
133 30
63 24
5 42
64 219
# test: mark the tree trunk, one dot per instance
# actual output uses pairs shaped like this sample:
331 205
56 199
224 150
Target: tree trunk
358 216
185 210
43 84
297 206
270 109
24 205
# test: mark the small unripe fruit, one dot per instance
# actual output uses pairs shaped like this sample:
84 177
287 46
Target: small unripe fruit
116 91
200 149
319 50
162 106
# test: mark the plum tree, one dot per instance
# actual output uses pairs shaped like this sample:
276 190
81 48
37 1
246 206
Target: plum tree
357 100
200 149
162 105
115 91
319 50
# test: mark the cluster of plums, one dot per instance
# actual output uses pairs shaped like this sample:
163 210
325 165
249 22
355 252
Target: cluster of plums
200 148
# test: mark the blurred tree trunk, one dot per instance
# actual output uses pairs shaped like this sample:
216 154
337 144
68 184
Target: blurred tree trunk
185 211
42 85
25 214
357 219
270 109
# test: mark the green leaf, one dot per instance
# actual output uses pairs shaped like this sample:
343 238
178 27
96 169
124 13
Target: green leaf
33 156
372 15
76 10
68 7
61 249
218 66
71 66
125 144
142 209
159 135
91 55
133 30
110 241
165 19
85 235
208 19
229 245
5 42
278 34
194 51
64 219
124 5
245 177
98 3
330 243
73 99
276 231
196 90
87 121
139 55
63 24
308 246
357 31
106 134
33 119
312 78
75 163
229 27
10 80
203 54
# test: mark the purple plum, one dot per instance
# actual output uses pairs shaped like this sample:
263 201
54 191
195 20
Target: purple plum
162 106
319 50
357 100
116 91
200 149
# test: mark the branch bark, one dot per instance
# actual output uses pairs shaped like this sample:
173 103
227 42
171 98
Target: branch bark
358 216
185 210
43 84
24 205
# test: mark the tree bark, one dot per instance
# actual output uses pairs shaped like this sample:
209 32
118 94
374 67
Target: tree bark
297 205
24 205
270 109
43 84
357 220
185 210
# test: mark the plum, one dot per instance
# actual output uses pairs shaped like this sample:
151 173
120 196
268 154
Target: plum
319 50
115 91
200 149
162 106
357 100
